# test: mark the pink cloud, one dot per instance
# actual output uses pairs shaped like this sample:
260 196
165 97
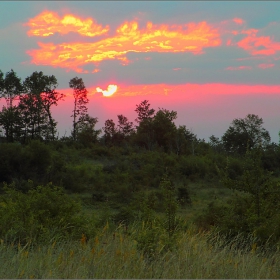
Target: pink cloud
258 45
243 67
238 21
266 65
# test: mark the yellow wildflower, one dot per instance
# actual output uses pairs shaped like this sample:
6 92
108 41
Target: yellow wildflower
71 253
83 239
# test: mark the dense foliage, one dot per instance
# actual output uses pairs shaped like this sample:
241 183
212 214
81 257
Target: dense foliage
150 171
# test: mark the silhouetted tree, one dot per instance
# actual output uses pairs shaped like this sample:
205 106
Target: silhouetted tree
185 141
216 144
80 100
243 133
164 128
125 128
35 105
10 87
85 130
145 134
11 121
109 131
143 111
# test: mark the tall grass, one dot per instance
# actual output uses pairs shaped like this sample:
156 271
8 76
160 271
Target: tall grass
114 254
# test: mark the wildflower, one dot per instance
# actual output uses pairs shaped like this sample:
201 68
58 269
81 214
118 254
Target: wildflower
92 250
254 247
71 253
25 253
106 226
96 241
100 252
83 239
21 274
59 260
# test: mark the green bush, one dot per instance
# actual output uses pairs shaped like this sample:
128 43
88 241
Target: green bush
126 215
10 161
41 214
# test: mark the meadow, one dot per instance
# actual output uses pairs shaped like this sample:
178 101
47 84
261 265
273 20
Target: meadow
113 253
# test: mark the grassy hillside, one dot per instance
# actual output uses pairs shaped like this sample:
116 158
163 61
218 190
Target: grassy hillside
68 211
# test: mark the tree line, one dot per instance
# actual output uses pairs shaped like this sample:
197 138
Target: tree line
27 115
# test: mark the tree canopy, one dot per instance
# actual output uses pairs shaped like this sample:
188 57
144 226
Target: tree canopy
245 133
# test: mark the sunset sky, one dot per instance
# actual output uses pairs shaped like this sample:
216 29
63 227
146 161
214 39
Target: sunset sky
209 61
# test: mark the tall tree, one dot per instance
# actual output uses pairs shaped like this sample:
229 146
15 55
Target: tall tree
143 111
155 129
145 133
34 118
125 128
185 141
86 132
51 97
243 133
1 82
36 104
80 100
164 128
11 122
110 131
10 87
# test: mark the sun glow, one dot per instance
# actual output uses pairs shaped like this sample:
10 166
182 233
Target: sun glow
111 89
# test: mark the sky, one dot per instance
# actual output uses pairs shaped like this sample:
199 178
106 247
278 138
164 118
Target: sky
210 61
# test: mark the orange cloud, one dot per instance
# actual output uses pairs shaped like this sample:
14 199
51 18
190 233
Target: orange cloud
47 23
238 21
191 37
239 68
262 45
266 65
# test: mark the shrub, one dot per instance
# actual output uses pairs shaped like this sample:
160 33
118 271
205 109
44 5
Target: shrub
10 161
183 196
43 213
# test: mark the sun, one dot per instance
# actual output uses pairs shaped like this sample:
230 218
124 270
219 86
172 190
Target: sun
111 89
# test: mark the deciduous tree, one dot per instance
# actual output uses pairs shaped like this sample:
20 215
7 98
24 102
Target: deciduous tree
35 105
243 133
80 101
143 111
10 87
86 132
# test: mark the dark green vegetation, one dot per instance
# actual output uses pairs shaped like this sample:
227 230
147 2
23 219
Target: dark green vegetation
152 178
